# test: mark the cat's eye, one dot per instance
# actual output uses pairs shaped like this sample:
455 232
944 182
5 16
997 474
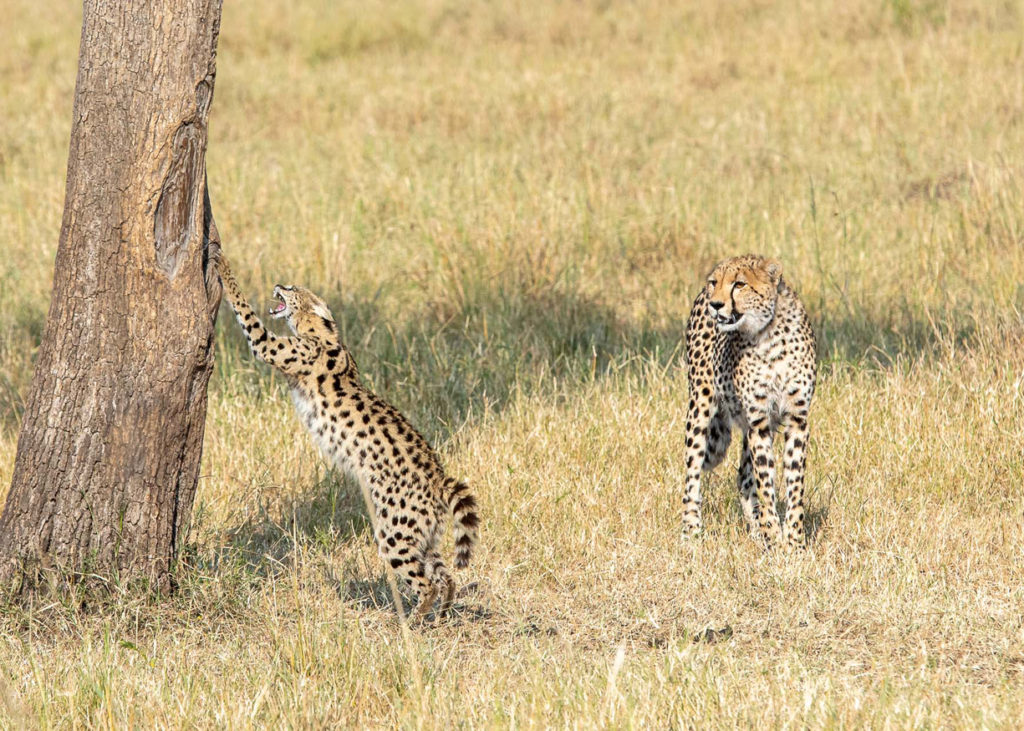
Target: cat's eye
740 284
712 282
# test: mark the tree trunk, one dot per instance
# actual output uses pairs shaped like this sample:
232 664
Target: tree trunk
109 450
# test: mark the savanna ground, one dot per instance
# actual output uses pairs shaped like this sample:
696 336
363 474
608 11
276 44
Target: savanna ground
510 208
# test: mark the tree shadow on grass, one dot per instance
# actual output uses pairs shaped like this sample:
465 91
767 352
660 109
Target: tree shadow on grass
444 367
327 513
902 335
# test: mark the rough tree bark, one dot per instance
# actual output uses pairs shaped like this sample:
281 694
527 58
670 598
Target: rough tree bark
110 444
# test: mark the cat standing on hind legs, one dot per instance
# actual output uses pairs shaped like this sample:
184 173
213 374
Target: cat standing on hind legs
750 355
410 493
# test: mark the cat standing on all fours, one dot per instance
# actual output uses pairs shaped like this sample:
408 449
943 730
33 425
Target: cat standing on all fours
750 362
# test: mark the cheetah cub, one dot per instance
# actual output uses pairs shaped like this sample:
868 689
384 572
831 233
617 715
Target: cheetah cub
368 438
750 353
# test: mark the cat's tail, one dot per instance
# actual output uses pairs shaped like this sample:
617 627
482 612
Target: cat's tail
465 520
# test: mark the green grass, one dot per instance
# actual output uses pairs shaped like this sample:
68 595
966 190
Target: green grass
510 208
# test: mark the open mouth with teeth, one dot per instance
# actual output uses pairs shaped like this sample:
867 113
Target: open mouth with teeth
728 322
279 308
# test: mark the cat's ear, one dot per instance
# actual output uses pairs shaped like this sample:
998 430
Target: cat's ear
773 268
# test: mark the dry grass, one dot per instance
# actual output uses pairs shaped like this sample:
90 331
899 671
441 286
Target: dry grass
510 207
